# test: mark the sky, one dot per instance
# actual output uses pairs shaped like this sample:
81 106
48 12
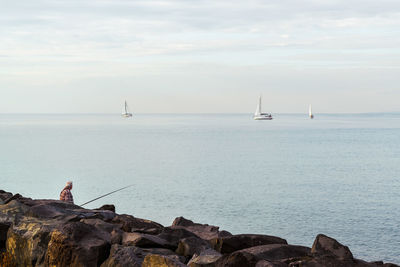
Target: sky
199 56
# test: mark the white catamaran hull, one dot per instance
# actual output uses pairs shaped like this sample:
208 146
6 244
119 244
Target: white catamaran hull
127 115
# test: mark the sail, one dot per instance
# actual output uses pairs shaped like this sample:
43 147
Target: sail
258 110
126 108
310 111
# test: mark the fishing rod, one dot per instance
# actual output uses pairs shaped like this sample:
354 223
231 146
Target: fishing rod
106 194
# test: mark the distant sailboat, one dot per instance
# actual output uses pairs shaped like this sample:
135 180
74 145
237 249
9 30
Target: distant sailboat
310 114
258 115
127 114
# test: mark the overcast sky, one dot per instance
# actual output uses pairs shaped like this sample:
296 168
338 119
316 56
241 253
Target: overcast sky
199 55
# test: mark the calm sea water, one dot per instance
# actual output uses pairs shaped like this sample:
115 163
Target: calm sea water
291 177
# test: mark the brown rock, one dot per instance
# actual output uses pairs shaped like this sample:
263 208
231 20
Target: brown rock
77 244
204 231
327 245
154 260
121 256
132 224
237 259
109 207
174 234
233 243
145 241
207 258
192 245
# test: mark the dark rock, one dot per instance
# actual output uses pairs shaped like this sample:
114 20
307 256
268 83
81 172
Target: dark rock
109 207
192 245
121 256
204 231
233 243
131 224
154 260
207 258
264 263
276 252
14 197
237 259
3 234
327 245
174 234
145 241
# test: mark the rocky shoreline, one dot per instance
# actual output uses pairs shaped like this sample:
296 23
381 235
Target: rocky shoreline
54 233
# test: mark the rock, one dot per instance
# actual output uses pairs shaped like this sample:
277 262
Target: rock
121 256
144 241
207 258
109 207
330 261
56 233
204 231
233 243
131 224
154 260
264 263
192 245
3 234
77 244
174 234
237 259
327 245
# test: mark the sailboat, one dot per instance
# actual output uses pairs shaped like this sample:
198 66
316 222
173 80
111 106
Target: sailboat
310 114
258 115
127 114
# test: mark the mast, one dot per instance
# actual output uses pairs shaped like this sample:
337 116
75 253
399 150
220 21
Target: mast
126 107
258 109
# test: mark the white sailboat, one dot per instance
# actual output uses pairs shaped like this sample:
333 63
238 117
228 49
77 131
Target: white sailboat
310 114
258 115
127 114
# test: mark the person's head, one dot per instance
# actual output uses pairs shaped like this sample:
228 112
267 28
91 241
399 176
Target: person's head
69 185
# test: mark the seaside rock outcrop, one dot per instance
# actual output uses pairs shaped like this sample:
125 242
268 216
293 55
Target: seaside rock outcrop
54 233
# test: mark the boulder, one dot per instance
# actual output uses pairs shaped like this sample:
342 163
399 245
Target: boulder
131 224
192 245
77 244
4 226
237 259
204 231
154 260
145 241
264 263
174 234
326 245
109 207
122 256
233 243
207 258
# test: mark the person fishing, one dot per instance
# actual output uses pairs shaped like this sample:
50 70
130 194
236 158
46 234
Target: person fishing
66 195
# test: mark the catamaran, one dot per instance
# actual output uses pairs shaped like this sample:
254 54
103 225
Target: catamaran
258 115
127 114
310 114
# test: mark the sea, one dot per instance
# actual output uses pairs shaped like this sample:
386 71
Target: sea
292 177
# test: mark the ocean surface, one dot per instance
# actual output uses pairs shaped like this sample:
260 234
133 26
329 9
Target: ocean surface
292 177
